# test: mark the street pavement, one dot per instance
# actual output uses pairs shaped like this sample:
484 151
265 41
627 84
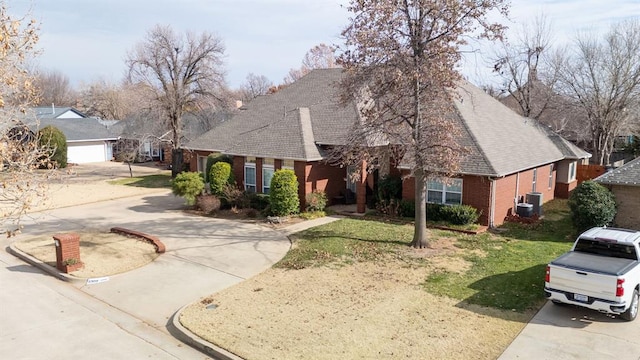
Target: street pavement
42 317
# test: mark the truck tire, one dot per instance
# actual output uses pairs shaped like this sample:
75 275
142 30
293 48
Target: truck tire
632 311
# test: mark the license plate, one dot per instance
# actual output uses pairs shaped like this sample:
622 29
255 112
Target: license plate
583 298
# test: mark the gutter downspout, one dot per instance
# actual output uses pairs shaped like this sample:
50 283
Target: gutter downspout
515 198
492 207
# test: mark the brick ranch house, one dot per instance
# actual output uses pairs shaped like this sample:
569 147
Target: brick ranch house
624 183
294 128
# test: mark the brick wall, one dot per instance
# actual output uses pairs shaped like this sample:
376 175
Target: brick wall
238 171
627 198
476 192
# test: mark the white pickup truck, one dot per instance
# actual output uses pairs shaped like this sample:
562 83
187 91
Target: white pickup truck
601 272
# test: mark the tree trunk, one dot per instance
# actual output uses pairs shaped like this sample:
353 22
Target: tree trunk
420 228
176 162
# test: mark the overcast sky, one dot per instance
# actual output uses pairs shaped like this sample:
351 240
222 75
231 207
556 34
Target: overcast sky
88 39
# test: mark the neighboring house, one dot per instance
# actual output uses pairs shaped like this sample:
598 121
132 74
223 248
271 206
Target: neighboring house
58 113
510 156
88 139
624 182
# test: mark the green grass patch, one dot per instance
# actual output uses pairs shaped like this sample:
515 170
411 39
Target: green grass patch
149 181
507 268
346 241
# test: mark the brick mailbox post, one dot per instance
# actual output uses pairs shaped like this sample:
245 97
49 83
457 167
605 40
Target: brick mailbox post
67 252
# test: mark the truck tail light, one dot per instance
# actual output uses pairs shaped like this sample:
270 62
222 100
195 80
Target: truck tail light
620 287
547 275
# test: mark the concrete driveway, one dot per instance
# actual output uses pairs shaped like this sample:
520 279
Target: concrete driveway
570 332
203 256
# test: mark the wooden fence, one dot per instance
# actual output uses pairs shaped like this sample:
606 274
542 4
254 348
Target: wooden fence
588 172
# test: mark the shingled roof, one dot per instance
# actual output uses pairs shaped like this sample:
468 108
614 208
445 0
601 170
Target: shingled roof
290 124
83 129
628 174
294 122
500 141
52 112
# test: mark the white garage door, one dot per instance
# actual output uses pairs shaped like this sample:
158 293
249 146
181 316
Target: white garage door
86 152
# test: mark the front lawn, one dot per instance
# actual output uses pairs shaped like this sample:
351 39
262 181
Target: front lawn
149 181
357 285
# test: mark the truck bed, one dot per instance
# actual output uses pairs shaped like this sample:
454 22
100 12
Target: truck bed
595 263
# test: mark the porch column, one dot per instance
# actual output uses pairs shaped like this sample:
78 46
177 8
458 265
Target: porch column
361 189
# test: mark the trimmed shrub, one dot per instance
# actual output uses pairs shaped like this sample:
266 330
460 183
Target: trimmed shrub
389 187
208 203
591 205
316 201
459 214
257 201
434 212
219 177
55 143
407 208
188 185
213 159
283 194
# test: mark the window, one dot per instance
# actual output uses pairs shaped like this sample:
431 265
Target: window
250 174
535 178
449 193
572 171
267 174
550 176
202 164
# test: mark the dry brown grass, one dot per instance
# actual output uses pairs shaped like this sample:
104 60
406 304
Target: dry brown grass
362 311
102 253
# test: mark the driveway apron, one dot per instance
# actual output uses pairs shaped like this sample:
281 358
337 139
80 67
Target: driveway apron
570 332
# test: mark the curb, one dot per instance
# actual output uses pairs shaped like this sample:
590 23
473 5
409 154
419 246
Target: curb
44 267
183 334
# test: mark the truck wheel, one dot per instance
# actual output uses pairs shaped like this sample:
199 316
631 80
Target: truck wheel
632 311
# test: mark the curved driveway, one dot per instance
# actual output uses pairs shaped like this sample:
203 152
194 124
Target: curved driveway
204 255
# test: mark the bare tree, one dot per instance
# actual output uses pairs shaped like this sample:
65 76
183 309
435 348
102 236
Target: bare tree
520 65
321 56
254 86
110 101
54 88
177 71
603 78
23 186
399 60
529 69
